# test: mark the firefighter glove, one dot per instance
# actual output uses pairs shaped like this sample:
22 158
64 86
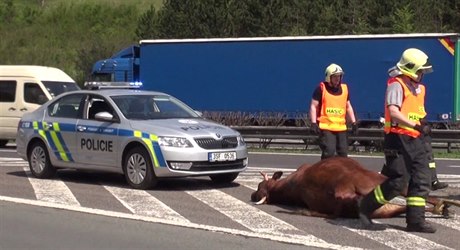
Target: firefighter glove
424 122
424 129
315 129
354 128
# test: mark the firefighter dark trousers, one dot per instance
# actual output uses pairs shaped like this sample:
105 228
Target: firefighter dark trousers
332 142
406 166
429 152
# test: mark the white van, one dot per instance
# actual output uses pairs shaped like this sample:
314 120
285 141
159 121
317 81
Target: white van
23 89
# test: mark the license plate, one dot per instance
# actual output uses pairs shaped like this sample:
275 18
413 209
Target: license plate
222 156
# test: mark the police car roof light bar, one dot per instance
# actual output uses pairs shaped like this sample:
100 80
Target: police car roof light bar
112 85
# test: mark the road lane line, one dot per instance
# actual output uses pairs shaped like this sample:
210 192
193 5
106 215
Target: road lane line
55 191
142 203
247 215
392 238
291 239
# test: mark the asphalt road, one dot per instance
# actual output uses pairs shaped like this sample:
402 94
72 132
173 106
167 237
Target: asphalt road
82 210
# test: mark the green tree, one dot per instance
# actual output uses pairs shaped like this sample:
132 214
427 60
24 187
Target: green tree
402 20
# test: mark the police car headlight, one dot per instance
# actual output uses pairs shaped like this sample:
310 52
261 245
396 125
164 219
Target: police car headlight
178 142
241 141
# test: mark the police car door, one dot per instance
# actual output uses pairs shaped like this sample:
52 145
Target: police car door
97 137
58 127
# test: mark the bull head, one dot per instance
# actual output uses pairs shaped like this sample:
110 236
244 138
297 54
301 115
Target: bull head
261 196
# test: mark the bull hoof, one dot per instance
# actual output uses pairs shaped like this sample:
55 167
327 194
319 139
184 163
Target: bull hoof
446 213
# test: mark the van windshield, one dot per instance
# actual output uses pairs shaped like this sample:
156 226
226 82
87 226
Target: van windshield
57 88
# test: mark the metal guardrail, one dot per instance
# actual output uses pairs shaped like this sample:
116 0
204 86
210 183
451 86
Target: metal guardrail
266 134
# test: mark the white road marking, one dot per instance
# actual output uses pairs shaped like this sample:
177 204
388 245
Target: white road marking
250 217
142 203
291 239
55 191
392 238
15 162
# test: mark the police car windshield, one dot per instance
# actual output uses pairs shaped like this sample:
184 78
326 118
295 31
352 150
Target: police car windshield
57 88
149 107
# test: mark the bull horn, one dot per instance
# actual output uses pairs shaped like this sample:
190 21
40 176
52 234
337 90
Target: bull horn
264 175
262 201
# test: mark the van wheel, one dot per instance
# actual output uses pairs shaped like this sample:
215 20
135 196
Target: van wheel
3 143
39 161
223 178
138 169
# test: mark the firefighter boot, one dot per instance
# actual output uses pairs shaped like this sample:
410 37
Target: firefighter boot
435 185
422 227
415 218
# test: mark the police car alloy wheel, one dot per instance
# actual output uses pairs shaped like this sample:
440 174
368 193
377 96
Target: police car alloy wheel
39 161
223 178
138 169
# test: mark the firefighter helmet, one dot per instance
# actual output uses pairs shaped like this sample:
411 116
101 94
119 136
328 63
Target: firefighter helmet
412 61
333 69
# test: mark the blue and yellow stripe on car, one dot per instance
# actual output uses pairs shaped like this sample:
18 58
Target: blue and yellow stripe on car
51 133
151 141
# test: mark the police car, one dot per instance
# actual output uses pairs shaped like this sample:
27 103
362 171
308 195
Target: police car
142 134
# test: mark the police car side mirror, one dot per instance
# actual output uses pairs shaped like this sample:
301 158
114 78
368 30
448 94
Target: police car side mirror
104 116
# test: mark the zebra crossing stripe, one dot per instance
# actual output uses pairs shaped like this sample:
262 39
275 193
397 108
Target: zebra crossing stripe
392 238
258 221
291 239
55 191
142 203
247 215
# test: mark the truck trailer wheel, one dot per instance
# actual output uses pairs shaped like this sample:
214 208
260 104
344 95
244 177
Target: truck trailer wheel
39 161
223 178
138 169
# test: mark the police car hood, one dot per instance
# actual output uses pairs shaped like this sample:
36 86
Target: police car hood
183 128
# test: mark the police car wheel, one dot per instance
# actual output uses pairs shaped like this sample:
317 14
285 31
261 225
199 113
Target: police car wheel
39 161
223 178
138 169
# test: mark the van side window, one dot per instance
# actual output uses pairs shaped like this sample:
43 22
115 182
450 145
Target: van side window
68 106
7 91
34 94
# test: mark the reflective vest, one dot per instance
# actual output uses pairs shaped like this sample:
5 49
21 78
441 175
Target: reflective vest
413 108
332 115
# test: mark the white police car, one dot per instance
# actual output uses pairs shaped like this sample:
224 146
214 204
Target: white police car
142 134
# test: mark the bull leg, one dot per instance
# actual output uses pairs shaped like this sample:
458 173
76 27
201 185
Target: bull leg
388 210
441 205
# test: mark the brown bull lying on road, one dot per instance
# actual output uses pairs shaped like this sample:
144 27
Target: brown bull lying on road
331 188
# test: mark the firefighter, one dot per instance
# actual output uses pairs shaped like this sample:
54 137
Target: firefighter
406 162
329 106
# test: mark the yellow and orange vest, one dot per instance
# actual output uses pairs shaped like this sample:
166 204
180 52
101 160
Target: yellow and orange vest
332 115
413 108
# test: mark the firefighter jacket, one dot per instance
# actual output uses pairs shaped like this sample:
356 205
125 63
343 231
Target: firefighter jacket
332 115
413 108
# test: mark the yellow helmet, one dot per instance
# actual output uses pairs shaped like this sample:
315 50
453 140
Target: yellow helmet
412 60
333 69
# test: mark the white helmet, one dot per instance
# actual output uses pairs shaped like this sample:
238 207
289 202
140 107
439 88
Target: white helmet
333 69
412 60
